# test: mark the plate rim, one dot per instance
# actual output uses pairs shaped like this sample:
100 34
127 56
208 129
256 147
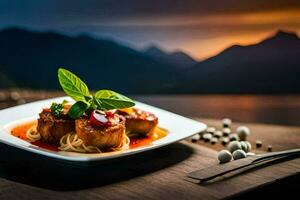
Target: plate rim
47 153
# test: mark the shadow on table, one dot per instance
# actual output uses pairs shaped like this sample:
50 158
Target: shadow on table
28 168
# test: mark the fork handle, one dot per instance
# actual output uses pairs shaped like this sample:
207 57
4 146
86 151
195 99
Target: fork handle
276 154
221 169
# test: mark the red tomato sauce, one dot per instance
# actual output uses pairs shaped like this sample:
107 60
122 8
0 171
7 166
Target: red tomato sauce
138 142
44 145
20 132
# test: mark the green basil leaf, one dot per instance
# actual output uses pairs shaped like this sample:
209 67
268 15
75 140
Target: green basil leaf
95 103
107 100
78 109
72 85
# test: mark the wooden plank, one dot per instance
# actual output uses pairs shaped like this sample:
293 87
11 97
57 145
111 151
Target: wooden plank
133 177
158 174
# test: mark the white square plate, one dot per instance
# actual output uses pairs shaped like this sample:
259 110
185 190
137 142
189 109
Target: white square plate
178 128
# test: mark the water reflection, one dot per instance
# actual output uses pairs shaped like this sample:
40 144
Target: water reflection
277 109
283 110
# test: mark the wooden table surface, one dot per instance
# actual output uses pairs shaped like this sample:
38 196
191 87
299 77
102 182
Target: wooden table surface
158 174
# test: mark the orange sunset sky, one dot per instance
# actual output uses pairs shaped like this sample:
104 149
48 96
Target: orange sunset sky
225 30
260 25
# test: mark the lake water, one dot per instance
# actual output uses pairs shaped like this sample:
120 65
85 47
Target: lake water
272 109
277 109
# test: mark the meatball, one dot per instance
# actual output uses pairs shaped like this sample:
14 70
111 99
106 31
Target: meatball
105 138
52 128
139 122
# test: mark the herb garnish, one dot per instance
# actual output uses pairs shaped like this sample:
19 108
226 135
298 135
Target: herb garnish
78 90
56 109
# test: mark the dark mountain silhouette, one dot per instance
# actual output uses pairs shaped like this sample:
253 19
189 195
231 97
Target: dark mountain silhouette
271 66
176 58
30 59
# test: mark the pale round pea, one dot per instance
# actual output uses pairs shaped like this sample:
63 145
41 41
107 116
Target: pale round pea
269 148
258 143
244 146
213 140
211 129
243 132
234 145
249 147
224 156
226 122
225 141
234 137
226 131
195 138
239 154
218 134
207 137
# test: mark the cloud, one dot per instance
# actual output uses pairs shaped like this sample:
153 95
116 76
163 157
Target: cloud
74 12
200 27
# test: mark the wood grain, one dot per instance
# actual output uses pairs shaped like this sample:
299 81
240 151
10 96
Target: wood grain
280 137
159 174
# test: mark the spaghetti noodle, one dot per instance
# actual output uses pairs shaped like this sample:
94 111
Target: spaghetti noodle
71 142
32 134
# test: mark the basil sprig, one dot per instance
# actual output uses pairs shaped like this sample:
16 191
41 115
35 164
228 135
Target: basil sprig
73 85
107 100
56 109
78 90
